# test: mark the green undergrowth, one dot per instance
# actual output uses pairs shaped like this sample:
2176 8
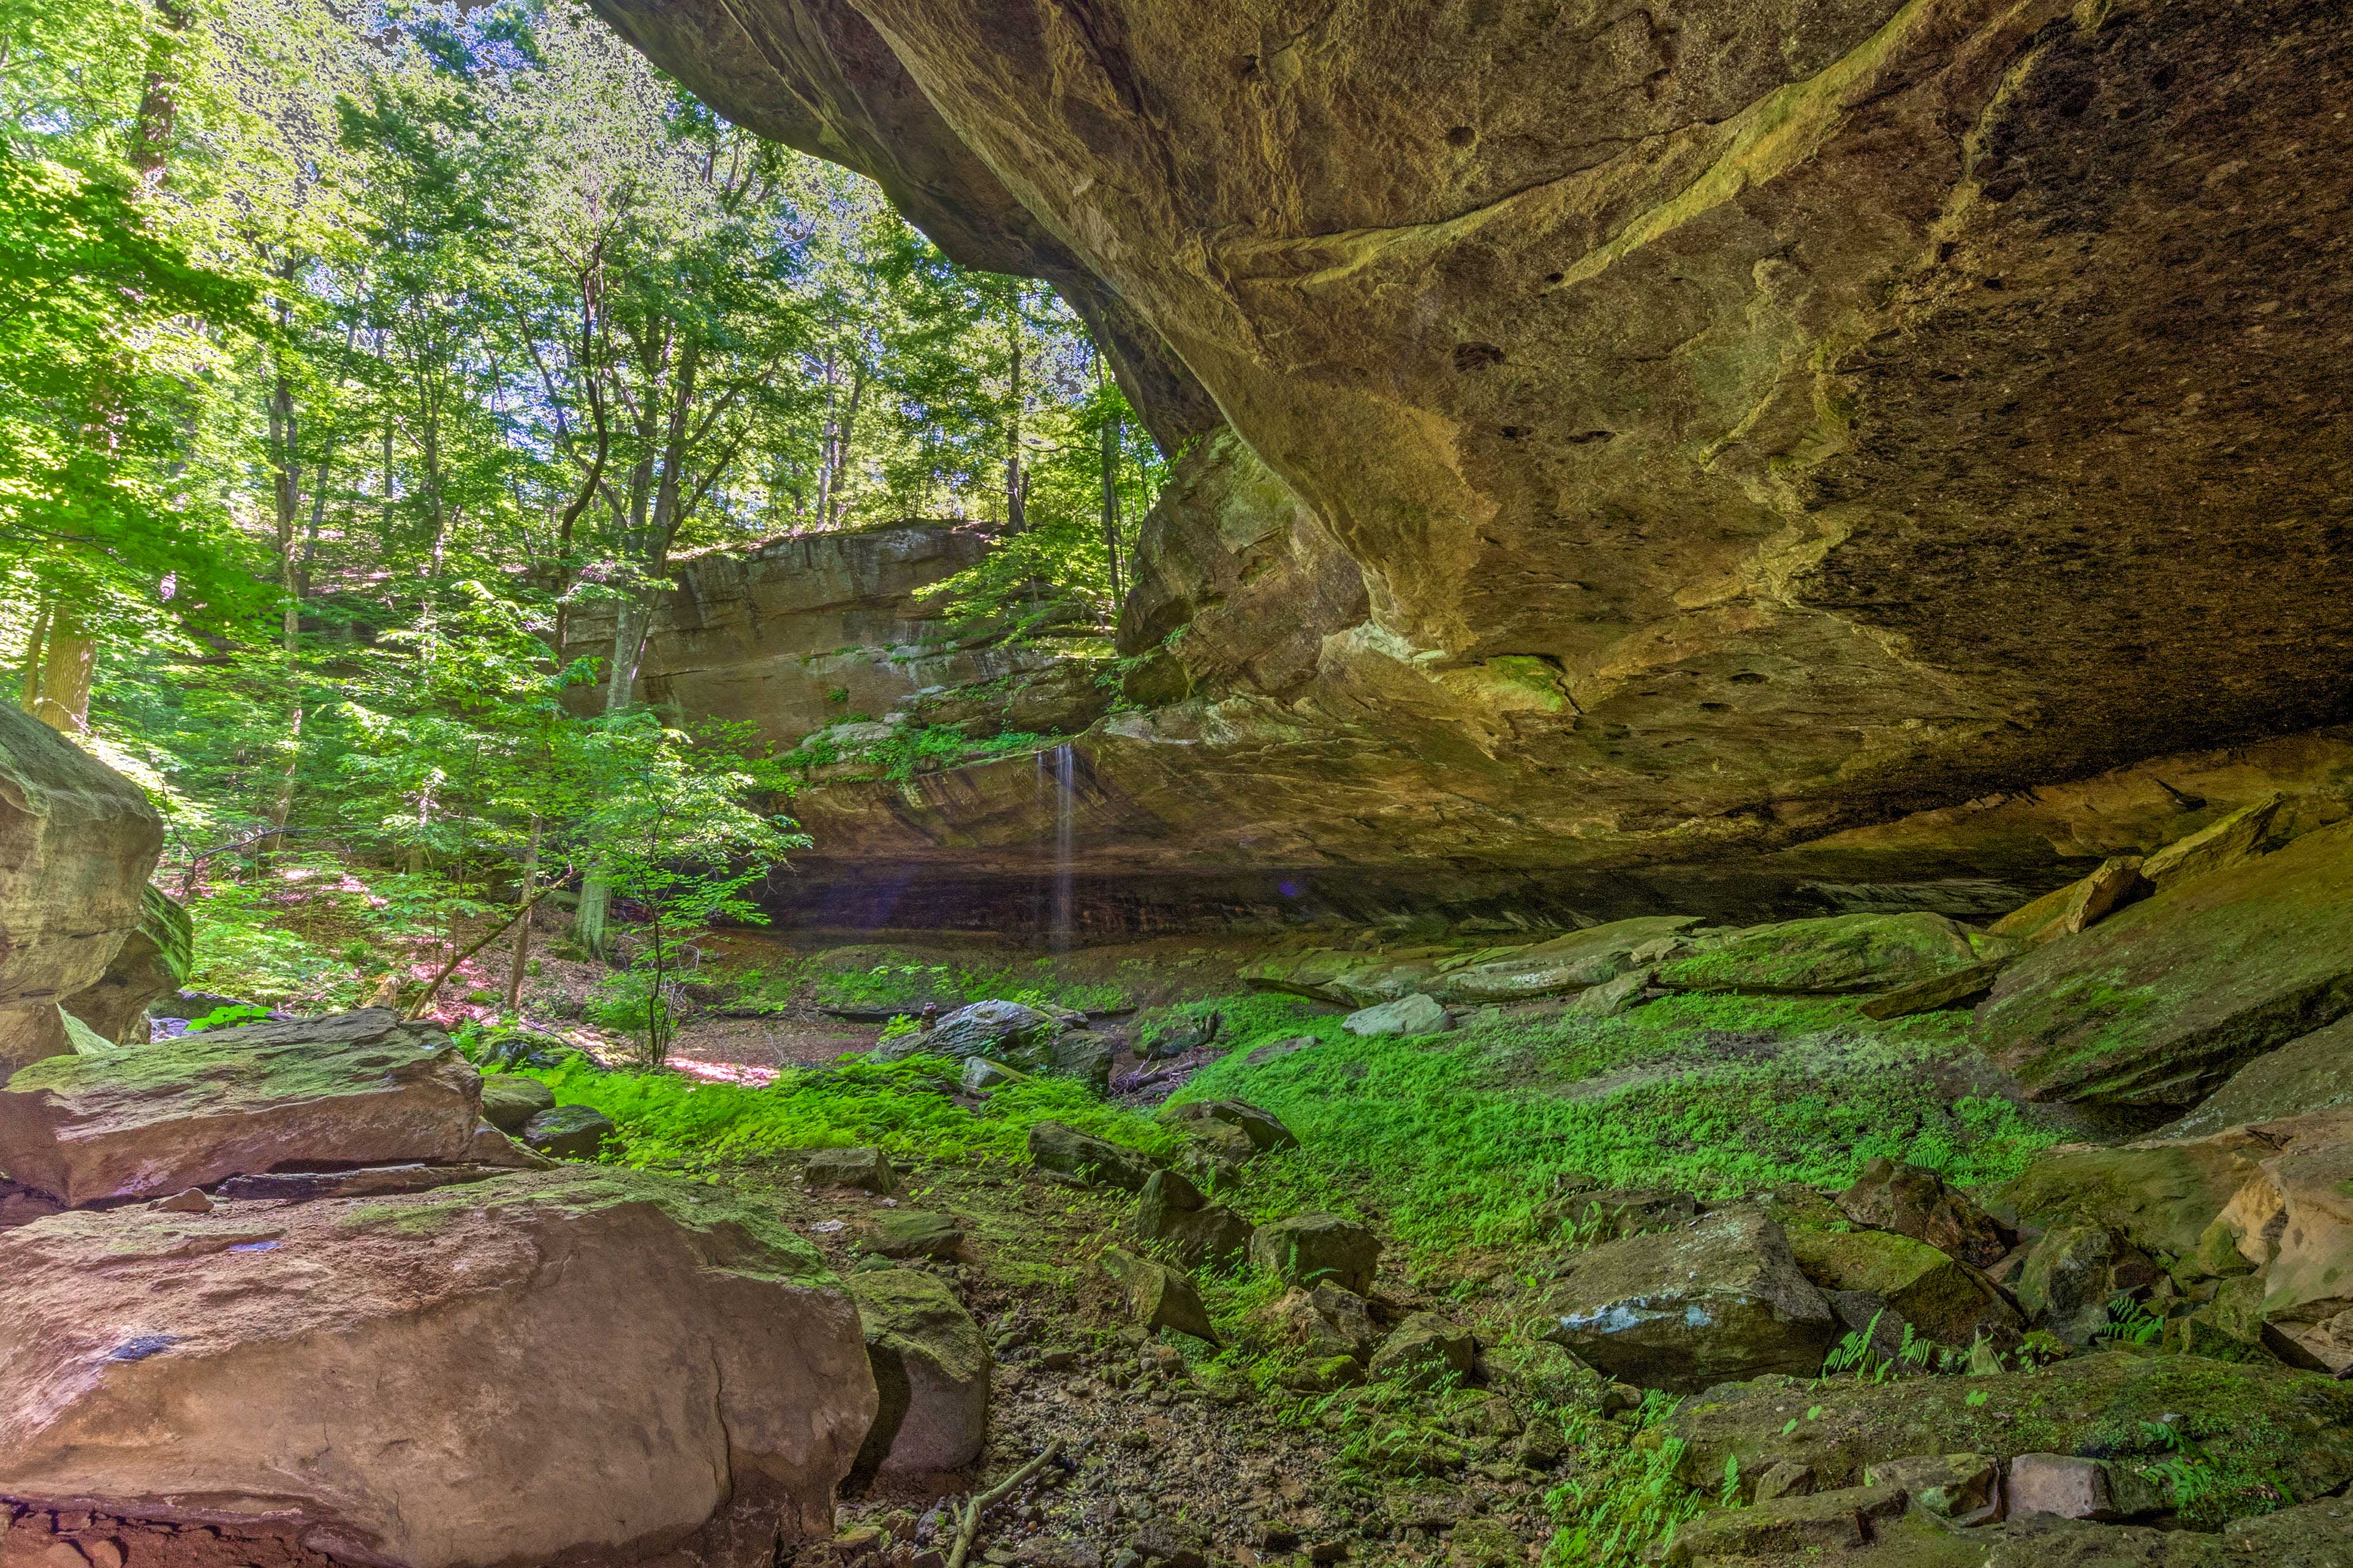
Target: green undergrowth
664 1121
878 980
913 749
906 982
1457 1139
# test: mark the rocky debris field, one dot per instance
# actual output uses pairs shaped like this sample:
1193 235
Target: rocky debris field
1869 1239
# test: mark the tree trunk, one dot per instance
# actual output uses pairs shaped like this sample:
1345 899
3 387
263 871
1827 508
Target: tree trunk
1016 489
68 663
526 891
159 99
845 438
286 487
1110 506
34 642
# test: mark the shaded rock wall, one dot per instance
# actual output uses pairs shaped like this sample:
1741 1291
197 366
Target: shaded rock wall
1746 422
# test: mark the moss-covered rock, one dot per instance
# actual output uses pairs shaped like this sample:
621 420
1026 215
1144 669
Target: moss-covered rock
509 1100
2255 1429
930 1369
1722 1298
2074 1274
360 1089
1942 1297
2159 1003
2159 1195
2312 1072
1835 954
1911 1201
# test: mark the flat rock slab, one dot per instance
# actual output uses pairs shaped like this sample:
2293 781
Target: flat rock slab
361 1089
2310 1073
1832 955
2264 1421
545 1366
2159 1003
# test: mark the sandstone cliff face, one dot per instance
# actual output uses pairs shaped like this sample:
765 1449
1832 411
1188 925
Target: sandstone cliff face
1745 422
802 632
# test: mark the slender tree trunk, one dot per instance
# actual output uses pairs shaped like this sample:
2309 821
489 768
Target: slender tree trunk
287 490
529 896
1110 506
1017 486
845 442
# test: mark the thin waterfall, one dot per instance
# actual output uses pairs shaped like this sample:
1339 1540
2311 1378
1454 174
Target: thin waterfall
1065 796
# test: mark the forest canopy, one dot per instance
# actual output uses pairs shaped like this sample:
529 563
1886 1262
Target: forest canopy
345 356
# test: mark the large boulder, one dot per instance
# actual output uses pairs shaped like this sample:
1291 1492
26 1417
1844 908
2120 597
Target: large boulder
1720 1299
588 1363
1001 1031
154 962
1834 954
2312 1072
2159 1003
77 842
930 1371
359 1089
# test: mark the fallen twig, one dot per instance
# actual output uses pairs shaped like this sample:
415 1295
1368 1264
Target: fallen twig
969 1529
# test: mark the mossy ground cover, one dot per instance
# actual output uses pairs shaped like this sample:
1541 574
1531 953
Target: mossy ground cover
1459 1139
667 1122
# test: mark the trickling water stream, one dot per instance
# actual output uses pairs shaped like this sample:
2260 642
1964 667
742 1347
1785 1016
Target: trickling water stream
1057 773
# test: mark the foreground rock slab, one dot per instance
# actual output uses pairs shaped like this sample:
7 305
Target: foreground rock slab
360 1089
405 1378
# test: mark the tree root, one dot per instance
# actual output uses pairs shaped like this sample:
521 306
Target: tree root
968 1530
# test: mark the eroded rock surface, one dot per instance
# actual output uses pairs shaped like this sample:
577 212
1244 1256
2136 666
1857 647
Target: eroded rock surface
355 1089
404 1377
1743 424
